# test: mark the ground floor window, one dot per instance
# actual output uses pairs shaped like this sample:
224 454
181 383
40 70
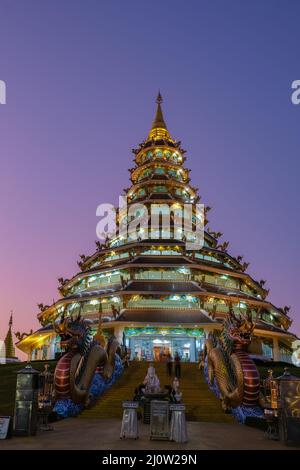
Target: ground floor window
267 349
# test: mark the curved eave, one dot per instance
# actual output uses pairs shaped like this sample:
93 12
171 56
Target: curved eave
154 145
156 181
142 243
157 163
38 336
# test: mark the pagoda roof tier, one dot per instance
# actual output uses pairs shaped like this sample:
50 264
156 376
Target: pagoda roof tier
149 153
162 286
161 197
153 144
157 260
205 294
263 326
136 244
39 335
141 243
158 180
236 266
162 261
157 164
178 317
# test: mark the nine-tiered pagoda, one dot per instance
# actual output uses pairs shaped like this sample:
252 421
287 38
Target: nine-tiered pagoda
152 293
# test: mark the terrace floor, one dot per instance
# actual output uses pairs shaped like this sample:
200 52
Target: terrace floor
74 433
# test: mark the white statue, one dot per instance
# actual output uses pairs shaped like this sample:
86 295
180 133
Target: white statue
151 381
176 390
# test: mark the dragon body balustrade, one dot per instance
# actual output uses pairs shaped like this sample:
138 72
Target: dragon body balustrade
229 365
74 372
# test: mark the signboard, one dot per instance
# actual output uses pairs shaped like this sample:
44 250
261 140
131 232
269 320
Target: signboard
130 404
177 407
159 420
4 426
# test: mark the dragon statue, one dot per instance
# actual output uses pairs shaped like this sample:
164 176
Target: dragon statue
229 366
75 370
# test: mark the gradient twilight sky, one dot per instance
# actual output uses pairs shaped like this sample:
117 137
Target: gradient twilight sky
82 77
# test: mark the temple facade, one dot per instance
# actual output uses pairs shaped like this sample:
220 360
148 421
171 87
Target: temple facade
151 292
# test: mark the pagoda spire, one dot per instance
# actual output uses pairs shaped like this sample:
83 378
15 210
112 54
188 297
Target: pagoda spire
159 121
159 128
9 344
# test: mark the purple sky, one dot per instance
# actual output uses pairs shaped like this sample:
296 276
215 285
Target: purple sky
82 77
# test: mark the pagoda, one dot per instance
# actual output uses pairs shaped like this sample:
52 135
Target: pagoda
10 354
152 293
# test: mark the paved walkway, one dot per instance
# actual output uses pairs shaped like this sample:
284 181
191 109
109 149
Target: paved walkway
74 433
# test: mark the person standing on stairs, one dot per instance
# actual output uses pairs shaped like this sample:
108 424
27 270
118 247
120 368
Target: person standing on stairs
177 365
169 364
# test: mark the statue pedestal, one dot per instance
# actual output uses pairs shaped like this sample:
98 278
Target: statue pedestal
147 404
129 428
178 430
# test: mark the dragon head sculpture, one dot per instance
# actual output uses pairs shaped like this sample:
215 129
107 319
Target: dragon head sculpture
75 333
239 329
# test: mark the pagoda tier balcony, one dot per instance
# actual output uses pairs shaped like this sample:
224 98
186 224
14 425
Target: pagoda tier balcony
176 189
154 153
147 170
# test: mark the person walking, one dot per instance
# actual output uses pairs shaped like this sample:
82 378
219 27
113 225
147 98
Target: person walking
177 365
169 364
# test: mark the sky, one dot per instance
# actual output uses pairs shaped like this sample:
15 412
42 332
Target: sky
81 80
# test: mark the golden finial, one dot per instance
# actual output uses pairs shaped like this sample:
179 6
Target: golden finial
11 319
159 98
159 122
159 127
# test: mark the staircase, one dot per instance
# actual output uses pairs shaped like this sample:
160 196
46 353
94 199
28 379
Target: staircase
201 403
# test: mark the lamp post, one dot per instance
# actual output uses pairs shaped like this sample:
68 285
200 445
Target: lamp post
26 404
289 410
271 405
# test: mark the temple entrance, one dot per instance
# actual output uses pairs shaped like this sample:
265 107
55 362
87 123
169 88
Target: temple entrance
161 349
157 347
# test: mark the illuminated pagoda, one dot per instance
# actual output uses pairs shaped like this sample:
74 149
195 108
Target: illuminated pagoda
152 293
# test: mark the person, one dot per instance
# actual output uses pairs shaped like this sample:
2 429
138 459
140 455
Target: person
169 364
176 393
177 365
161 355
200 360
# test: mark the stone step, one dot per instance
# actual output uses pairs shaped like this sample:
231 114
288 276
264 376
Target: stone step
201 403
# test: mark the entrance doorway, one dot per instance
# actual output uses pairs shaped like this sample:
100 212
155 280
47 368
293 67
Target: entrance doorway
161 349
156 347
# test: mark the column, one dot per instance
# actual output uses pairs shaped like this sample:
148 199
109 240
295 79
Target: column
51 350
193 350
276 350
